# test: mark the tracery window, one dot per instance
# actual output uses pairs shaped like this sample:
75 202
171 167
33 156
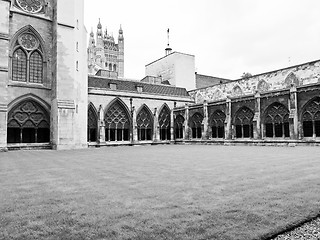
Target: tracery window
277 121
179 123
28 122
92 124
243 123
144 124
195 124
217 124
164 123
311 119
27 63
117 123
30 6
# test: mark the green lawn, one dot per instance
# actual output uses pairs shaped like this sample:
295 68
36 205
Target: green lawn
157 192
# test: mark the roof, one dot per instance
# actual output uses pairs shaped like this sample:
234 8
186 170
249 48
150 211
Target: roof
208 81
131 86
173 53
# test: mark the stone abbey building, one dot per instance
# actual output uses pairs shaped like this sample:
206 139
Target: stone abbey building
58 92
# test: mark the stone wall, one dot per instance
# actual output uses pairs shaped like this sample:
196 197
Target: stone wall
300 75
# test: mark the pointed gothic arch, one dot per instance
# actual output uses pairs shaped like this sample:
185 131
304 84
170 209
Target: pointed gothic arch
276 121
218 94
263 86
28 121
27 56
117 121
144 123
310 118
195 122
92 123
217 124
236 91
164 121
178 126
291 80
243 122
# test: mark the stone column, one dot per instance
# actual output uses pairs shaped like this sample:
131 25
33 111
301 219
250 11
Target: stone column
101 126
156 129
4 70
134 125
227 123
293 116
172 125
257 117
186 122
205 120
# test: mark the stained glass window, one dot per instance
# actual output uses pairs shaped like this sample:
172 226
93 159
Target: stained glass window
19 66
35 68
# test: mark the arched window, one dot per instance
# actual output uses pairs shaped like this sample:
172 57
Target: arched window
277 121
195 124
217 124
27 61
311 119
117 123
164 123
19 65
92 124
114 67
110 67
144 124
243 123
178 126
28 122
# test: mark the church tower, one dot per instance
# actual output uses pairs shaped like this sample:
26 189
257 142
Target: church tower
105 54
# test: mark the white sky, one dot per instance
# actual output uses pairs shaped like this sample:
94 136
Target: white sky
227 37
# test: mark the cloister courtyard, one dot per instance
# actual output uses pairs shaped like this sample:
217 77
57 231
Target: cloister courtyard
158 192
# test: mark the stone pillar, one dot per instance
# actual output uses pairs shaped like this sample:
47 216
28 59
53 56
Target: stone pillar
205 120
257 117
228 121
134 125
4 70
101 126
156 128
172 125
186 133
293 116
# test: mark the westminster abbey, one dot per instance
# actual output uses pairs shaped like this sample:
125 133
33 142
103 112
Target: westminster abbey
59 91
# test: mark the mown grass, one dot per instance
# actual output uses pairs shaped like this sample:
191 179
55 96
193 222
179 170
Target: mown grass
157 192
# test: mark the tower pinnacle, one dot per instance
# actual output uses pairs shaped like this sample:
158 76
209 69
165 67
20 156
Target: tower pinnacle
168 48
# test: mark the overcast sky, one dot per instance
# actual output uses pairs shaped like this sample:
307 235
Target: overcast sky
227 37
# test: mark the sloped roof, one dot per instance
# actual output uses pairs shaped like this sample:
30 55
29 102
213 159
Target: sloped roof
131 86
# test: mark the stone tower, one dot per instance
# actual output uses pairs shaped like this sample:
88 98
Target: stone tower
105 54
43 74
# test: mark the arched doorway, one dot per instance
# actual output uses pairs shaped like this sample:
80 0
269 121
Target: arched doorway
28 122
277 121
144 124
178 126
311 118
195 124
117 123
165 123
243 123
92 124
217 124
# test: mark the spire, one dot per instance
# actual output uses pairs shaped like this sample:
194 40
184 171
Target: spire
120 37
99 25
91 33
168 48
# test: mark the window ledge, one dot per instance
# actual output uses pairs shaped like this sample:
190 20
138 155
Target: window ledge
28 85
